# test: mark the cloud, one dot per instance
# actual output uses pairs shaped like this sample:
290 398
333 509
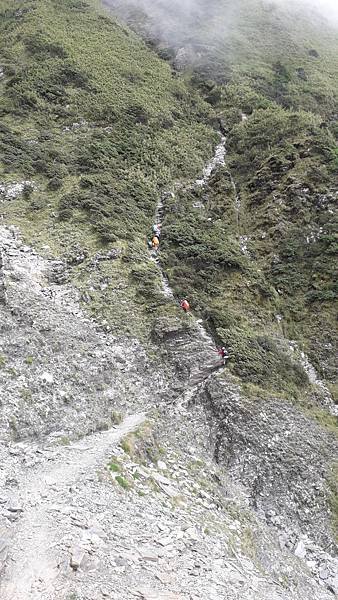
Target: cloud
171 18
326 8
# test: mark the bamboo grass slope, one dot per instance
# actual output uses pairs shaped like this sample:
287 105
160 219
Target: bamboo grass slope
65 64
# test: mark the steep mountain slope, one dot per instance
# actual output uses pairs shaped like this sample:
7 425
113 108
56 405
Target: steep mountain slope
96 125
227 485
255 249
259 244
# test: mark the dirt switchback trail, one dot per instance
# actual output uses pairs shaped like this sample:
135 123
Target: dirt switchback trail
34 556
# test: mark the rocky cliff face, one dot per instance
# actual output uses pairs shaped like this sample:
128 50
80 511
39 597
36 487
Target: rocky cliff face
60 370
202 495
281 456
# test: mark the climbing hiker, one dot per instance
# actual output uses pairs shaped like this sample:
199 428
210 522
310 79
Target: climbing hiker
184 304
223 354
157 230
155 242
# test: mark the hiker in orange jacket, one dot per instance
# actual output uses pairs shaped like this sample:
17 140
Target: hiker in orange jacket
155 242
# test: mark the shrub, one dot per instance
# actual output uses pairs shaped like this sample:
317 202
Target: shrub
114 467
55 183
27 190
123 482
37 44
259 360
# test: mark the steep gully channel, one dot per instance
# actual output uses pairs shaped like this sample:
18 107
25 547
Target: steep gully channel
200 373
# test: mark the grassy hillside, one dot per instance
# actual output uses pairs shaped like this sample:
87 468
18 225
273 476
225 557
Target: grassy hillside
98 124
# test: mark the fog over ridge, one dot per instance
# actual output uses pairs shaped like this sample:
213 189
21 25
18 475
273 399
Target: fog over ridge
166 13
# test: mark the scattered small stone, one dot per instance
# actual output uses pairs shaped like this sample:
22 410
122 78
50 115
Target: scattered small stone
324 572
77 557
121 562
149 594
165 578
47 377
161 465
89 564
14 506
300 549
333 583
149 555
161 479
191 533
165 541
3 552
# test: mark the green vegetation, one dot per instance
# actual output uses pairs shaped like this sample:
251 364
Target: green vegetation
63 441
248 543
141 445
116 417
26 394
118 474
114 467
204 261
123 482
258 262
127 444
326 420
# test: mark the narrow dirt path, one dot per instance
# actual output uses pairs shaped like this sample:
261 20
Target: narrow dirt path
33 564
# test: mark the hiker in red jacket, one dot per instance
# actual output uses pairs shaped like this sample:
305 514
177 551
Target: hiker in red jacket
223 354
184 304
